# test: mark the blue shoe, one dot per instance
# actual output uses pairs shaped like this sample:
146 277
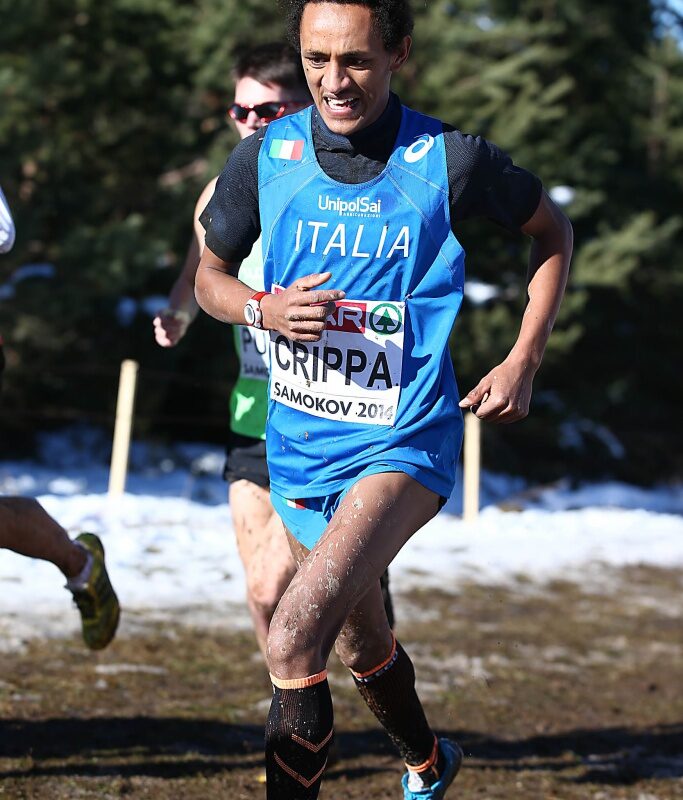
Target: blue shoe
453 756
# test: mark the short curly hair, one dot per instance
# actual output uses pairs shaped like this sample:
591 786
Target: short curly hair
393 18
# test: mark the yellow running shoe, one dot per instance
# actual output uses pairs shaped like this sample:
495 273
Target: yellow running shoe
96 599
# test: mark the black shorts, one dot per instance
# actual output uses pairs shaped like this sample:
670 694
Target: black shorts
246 460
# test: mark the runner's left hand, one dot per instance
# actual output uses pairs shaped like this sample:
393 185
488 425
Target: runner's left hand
502 396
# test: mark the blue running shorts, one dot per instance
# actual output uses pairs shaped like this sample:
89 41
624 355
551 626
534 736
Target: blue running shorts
307 518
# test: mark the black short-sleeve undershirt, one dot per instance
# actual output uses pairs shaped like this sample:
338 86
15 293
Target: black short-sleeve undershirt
483 181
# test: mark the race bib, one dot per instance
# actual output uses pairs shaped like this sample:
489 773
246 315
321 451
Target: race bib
254 347
353 374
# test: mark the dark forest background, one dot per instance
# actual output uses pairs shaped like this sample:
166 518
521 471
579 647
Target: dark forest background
112 118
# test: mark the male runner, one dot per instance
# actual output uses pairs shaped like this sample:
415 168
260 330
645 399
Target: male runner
269 84
364 427
27 529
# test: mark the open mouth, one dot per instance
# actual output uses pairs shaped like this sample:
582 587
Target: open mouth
341 106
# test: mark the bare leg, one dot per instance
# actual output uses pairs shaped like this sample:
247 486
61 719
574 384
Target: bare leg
337 592
27 529
375 519
265 553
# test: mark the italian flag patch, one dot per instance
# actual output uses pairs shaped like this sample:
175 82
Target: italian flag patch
288 149
296 504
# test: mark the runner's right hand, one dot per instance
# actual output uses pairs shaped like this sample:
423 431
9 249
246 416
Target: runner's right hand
300 311
170 325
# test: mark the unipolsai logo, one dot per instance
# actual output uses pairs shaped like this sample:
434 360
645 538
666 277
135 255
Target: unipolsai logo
355 207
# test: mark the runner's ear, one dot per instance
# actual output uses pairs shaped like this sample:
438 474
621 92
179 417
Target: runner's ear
400 55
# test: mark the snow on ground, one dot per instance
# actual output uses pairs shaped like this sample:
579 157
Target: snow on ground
171 550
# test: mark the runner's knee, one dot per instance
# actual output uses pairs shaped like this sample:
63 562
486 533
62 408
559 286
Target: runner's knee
14 509
291 654
295 644
265 586
263 598
349 655
362 651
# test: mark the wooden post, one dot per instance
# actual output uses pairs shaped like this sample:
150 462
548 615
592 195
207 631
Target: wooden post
471 467
123 427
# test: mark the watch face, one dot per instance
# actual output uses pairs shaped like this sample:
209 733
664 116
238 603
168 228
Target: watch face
249 314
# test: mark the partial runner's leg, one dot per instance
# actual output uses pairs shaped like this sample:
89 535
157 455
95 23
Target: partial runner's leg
27 529
390 677
264 550
387 598
378 515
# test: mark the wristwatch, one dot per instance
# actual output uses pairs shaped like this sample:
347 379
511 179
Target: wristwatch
252 311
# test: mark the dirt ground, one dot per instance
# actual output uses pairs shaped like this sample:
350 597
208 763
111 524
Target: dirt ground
556 692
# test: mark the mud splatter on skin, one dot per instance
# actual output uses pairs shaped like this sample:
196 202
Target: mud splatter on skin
332 583
332 579
317 588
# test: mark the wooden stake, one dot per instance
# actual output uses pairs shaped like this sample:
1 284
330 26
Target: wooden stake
471 467
123 427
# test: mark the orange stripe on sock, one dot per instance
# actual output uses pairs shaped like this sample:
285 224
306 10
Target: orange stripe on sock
300 778
314 748
299 683
429 762
379 666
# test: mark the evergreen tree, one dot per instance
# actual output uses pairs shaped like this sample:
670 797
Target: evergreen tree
588 97
114 117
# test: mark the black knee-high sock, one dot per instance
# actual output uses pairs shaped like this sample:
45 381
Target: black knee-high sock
298 735
389 691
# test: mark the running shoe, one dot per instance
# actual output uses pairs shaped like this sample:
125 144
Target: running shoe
96 599
453 756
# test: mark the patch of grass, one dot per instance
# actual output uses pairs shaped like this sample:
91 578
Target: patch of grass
556 692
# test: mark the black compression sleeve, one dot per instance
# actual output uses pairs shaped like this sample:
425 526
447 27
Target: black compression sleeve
484 182
231 218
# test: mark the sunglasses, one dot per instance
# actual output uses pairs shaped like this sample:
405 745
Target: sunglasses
266 112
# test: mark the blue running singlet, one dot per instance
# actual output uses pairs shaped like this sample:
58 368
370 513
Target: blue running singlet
377 393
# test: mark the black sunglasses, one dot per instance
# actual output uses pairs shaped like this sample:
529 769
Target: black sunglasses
266 112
